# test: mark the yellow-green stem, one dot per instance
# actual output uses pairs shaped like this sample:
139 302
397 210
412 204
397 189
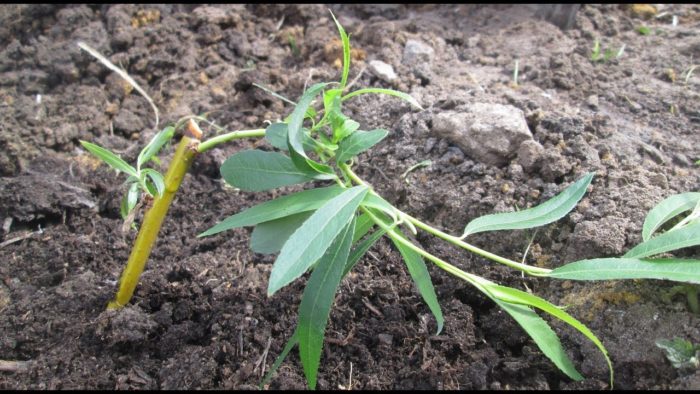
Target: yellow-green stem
234 135
152 221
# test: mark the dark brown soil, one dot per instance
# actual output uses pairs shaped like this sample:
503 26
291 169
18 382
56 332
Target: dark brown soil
200 318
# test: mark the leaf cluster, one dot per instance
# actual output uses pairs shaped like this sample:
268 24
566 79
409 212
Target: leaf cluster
140 180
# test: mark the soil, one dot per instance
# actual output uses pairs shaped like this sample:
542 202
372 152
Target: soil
200 317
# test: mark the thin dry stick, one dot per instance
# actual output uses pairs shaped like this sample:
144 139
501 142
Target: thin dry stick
357 78
471 76
14 366
122 74
263 358
372 308
16 239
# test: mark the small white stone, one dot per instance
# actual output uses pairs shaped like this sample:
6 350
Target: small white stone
488 133
382 70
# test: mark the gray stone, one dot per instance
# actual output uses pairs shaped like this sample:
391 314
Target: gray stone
416 52
592 239
489 133
212 15
382 70
385 339
654 153
592 101
530 154
554 165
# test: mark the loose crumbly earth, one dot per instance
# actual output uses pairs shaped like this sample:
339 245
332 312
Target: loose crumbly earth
200 318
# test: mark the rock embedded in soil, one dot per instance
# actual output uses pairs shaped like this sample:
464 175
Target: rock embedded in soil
592 101
489 133
418 56
382 70
530 155
554 165
591 239
416 52
208 15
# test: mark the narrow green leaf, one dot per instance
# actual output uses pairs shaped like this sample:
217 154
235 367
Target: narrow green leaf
345 127
276 135
293 340
671 240
543 335
421 277
515 296
331 101
346 52
668 209
155 145
358 142
361 248
317 299
306 165
364 224
156 179
296 119
110 158
390 92
130 199
307 200
679 270
274 94
269 237
547 212
311 240
256 170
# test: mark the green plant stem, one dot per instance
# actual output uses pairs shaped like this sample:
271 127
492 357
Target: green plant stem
473 279
458 242
153 219
449 238
234 135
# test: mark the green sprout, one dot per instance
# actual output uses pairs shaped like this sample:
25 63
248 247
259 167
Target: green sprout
140 180
595 54
293 45
682 354
327 230
643 30
607 55
424 163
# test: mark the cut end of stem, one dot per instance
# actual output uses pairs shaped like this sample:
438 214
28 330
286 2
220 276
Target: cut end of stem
193 130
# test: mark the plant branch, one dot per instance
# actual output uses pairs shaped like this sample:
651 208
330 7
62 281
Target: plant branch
234 135
473 279
449 238
153 219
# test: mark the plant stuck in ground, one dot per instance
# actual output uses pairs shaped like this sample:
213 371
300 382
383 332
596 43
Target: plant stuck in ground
326 230
598 56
